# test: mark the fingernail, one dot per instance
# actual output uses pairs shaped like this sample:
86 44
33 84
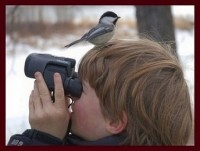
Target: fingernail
56 74
37 74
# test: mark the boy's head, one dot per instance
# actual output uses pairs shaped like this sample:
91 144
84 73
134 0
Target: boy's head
140 84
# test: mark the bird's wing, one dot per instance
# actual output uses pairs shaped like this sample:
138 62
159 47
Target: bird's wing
100 29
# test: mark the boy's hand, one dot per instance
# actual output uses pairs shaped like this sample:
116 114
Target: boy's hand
44 115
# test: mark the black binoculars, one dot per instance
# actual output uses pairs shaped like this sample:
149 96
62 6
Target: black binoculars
48 64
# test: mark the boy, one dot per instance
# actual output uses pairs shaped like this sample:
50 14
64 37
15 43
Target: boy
134 93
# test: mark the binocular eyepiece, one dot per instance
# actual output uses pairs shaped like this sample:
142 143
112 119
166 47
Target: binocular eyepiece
48 64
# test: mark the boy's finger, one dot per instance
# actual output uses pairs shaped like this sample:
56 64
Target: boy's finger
31 104
59 90
42 89
36 97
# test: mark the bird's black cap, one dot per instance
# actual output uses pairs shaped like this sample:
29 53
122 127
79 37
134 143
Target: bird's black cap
109 14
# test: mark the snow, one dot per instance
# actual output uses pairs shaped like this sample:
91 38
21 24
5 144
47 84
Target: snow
18 86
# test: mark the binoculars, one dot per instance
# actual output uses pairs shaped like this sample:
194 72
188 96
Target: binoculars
48 64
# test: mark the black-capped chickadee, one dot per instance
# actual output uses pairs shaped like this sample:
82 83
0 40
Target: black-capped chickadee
102 32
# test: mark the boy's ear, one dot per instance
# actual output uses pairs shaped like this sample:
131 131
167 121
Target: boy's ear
115 127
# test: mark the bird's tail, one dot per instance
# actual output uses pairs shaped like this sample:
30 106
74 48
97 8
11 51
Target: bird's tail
69 45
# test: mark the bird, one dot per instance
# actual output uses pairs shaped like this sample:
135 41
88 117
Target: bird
102 32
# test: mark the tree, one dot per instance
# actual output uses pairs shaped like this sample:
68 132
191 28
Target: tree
11 15
157 22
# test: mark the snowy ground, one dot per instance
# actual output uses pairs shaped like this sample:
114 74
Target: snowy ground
18 86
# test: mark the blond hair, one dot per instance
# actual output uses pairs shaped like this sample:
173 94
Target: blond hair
143 79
